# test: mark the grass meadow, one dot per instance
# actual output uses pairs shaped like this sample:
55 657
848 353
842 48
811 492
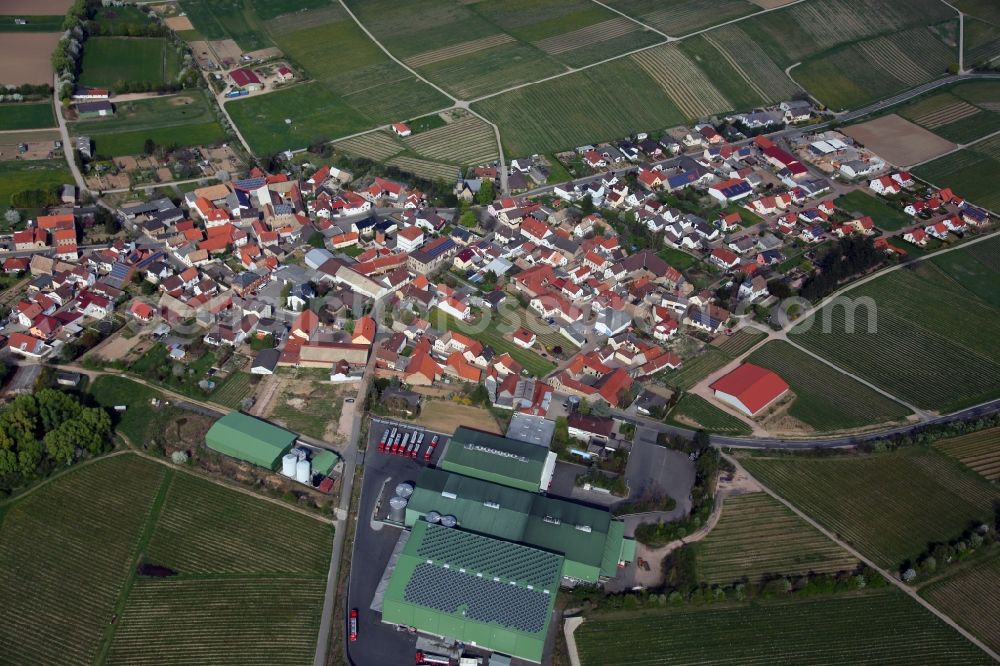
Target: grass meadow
110 60
693 410
885 217
17 176
26 116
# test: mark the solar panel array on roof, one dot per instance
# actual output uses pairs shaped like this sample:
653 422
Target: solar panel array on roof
250 183
479 554
479 599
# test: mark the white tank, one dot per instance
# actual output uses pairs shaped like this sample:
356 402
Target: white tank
404 490
433 517
303 471
449 521
288 462
397 509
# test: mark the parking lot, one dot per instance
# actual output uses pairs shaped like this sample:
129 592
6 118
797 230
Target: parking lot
379 643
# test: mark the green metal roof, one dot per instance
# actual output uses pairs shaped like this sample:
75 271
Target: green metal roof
250 439
473 588
324 461
494 458
507 513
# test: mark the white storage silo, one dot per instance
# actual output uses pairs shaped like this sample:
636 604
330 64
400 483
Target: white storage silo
449 521
303 471
404 490
433 517
288 462
397 510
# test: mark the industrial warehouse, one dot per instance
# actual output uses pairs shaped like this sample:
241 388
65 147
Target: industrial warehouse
485 552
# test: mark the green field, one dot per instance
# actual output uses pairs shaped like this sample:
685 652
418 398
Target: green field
695 369
121 20
234 390
356 86
621 99
758 537
223 19
703 414
825 399
963 114
741 341
51 23
137 422
861 203
873 627
17 176
815 28
26 116
113 61
914 313
972 172
532 362
888 506
875 69
680 17
979 451
68 558
182 120
206 529
969 597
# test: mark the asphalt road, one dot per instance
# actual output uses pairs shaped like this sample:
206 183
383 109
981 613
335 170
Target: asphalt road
984 409
379 643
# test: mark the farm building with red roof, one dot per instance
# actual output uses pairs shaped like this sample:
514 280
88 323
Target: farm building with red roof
750 388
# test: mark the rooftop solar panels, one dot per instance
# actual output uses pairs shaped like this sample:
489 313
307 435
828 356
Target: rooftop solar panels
501 559
478 599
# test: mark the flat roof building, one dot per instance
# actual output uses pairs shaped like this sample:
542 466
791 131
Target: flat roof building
482 591
249 439
497 459
592 542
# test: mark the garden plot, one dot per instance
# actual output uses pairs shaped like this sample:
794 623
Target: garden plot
682 81
591 34
458 50
378 145
465 141
425 168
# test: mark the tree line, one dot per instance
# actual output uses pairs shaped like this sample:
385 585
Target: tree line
850 257
46 430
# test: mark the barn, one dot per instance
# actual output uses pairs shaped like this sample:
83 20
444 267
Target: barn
750 388
249 439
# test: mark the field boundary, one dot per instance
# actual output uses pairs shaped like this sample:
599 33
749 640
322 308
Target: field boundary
148 527
913 594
